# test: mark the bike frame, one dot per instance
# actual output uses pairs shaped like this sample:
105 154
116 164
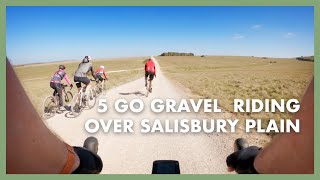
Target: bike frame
82 93
81 96
64 92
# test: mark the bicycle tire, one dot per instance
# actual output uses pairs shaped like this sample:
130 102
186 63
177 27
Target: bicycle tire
75 105
92 98
96 90
68 97
147 94
104 89
148 88
49 107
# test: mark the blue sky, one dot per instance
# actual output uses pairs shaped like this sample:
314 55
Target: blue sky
39 34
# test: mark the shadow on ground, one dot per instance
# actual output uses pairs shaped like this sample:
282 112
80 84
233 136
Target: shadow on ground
137 93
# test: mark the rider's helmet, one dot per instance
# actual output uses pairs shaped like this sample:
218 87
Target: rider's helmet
102 67
62 67
87 58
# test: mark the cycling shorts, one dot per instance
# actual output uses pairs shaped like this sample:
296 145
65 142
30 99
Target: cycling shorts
99 77
79 80
150 75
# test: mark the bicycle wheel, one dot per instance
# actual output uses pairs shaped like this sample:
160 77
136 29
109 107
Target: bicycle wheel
50 106
96 89
68 97
104 89
147 94
91 99
75 105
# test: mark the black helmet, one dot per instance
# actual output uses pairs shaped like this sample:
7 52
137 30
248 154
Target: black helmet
62 67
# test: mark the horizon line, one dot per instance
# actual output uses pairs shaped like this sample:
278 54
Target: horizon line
119 57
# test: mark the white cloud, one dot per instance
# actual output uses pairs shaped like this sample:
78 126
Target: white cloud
238 36
256 27
289 35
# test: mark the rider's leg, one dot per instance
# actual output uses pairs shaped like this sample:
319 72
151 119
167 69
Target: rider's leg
86 81
102 83
31 147
146 78
150 84
59 90
52 85
87 88
78 84
150 81
99 79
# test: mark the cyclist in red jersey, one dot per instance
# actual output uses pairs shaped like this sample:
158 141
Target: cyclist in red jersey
99 73
150 72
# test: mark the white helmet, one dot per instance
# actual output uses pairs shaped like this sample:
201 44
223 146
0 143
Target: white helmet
102 67
88 58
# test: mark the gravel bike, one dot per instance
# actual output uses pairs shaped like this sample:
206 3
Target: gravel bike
100 88
82 100
51 103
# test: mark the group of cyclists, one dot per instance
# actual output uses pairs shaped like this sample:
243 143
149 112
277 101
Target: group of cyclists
81 76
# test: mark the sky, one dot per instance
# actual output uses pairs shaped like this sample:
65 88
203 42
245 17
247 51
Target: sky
43 34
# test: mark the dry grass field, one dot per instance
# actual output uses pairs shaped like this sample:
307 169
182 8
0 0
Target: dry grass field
226 78
218 77
35 78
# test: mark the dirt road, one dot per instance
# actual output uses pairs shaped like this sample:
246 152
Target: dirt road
133 153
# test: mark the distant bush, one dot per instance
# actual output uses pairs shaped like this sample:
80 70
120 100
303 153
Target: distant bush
272 62
306 58
176 54
264 58
203 56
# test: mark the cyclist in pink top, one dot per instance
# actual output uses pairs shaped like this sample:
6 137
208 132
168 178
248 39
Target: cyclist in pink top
55 83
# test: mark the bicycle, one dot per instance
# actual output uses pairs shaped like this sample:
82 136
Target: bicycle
100 88
51 103
81 101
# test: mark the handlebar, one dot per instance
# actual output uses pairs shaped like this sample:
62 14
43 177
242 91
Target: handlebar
241 160
93 163
64 86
